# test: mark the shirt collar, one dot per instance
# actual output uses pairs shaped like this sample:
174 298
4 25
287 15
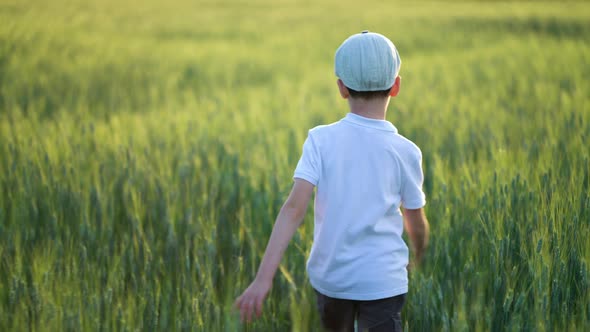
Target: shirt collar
371 123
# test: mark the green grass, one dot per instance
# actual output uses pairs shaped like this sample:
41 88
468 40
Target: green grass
146 148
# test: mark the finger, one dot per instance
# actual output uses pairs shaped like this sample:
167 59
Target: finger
242 313
250 311
259 306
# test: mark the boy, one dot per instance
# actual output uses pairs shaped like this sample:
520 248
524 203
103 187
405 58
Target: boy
364 172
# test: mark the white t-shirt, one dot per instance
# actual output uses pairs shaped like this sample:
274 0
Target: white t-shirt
364 170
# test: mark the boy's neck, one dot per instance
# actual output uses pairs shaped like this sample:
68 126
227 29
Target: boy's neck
372 109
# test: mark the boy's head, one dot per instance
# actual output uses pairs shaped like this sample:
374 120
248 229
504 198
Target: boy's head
368 65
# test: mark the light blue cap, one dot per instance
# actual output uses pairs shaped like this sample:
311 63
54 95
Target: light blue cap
367 61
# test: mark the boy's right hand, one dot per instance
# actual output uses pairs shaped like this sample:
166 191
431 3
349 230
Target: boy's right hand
251 300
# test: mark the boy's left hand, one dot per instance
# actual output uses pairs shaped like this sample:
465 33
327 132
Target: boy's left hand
251 300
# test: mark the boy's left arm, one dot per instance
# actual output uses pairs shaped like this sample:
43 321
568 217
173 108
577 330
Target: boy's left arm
287 222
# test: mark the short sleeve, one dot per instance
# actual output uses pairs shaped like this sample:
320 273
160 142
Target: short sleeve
412 195
309 166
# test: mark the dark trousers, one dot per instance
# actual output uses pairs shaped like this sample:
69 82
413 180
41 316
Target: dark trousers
382 315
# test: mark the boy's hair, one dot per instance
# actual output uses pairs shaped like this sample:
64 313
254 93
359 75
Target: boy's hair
369 95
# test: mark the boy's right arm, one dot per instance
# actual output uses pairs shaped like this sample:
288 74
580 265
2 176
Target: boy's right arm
288 220
416 225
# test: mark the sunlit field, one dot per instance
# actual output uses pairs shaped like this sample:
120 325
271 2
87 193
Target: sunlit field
147 146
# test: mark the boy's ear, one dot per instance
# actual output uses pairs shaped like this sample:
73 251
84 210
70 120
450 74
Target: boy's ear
343 89
395 88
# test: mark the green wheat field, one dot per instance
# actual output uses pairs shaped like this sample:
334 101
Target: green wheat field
146 148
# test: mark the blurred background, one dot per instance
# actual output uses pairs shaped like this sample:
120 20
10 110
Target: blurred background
147 146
